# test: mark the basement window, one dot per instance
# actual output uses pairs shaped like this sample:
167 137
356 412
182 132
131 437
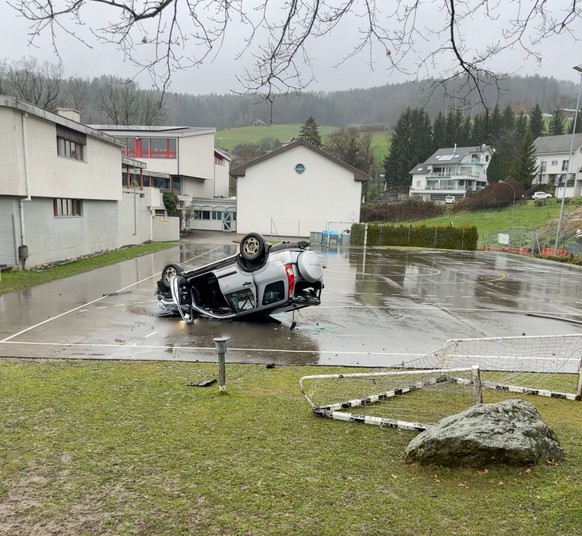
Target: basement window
67 207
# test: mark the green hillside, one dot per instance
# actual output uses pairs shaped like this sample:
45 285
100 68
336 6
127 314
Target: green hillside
226 139
527 215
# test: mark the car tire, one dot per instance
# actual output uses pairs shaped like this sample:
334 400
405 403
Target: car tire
253 247
169 271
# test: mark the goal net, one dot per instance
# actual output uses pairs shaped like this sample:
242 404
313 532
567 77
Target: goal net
418 393
545 365
406 399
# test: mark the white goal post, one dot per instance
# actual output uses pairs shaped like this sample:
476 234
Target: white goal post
395 383
418 393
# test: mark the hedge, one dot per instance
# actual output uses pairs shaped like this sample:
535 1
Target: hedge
409 236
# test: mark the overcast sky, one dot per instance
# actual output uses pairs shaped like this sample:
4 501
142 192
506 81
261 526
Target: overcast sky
559 55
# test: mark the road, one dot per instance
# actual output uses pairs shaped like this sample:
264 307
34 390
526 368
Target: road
379 307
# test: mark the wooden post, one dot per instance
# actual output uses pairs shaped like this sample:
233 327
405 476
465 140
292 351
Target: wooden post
579 389
220 343
477 392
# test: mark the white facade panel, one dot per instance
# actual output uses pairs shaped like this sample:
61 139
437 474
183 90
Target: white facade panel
273 198
32 167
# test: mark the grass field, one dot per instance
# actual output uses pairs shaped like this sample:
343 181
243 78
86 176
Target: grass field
227 139
128 448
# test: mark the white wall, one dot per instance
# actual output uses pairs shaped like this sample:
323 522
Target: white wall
33 145
272 191
221 179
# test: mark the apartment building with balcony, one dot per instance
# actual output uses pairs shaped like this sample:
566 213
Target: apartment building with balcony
553 161
454 171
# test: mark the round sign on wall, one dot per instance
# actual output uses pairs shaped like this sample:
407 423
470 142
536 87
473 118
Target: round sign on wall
299 168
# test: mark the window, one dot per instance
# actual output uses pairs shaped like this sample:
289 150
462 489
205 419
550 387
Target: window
543 166
150 148
274 292
554 162
565 165
202 214
67 207
162 183
70 143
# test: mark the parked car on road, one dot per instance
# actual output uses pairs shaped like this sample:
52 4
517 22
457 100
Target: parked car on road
541 195
261 279
449 199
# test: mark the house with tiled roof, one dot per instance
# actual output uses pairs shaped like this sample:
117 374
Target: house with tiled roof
454 171
553 160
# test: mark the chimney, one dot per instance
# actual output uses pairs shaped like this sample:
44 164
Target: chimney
70 113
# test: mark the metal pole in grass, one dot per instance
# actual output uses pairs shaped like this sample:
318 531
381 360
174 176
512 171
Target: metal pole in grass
220 343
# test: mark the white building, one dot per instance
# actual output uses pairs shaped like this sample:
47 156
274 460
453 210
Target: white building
296 190
453 172
178 159
553 157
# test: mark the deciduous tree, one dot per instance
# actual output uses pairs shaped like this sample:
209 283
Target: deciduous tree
414 38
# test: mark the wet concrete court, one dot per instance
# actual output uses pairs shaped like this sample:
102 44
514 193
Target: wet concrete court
379 307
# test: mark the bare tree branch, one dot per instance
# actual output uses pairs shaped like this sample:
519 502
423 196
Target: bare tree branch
442 39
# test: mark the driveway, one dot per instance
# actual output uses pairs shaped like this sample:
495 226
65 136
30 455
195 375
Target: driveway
379 307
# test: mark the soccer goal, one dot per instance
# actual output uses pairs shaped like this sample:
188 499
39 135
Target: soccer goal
544 365
405 399
420 392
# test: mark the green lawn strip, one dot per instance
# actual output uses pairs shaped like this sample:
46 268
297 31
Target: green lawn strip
128 448
18 280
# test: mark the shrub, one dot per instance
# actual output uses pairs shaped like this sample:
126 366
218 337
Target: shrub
409 236
496 195
411 209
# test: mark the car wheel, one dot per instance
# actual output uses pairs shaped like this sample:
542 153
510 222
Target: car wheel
252 247
169 271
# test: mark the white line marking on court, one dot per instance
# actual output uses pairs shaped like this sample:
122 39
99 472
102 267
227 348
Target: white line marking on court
80 308
102 307
120 305
152 333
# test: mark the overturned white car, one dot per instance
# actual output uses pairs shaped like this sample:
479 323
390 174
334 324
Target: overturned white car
261 279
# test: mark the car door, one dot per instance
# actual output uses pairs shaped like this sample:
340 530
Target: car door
238 288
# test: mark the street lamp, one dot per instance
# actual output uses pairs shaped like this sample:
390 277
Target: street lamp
570 158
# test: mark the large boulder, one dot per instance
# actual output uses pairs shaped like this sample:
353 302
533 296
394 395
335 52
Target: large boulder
510 433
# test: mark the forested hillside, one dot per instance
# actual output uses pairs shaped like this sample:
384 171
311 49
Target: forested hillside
379 105
108 99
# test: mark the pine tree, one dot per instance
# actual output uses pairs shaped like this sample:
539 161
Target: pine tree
557 123
309 132
411 144
536 122
479 132
439 131
525 167
494 169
